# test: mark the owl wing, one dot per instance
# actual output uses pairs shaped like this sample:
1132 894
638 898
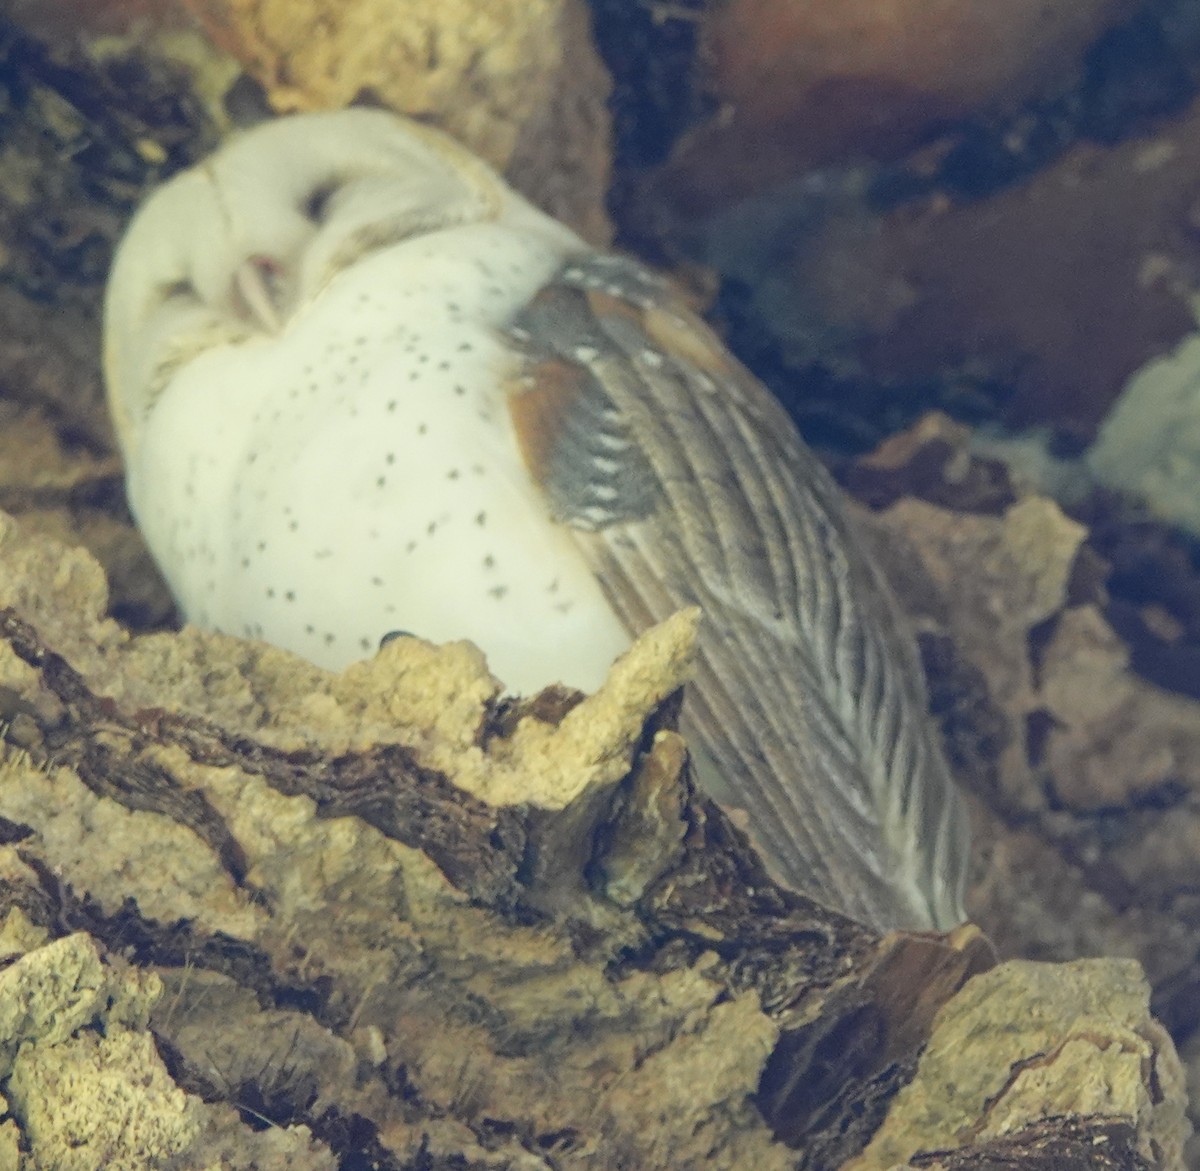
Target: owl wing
685 483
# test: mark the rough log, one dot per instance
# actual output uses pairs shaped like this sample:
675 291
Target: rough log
253 914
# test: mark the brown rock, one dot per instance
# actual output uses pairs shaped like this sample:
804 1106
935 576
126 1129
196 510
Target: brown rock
805 83
1062 286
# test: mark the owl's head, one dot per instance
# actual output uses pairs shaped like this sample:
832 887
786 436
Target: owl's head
231 248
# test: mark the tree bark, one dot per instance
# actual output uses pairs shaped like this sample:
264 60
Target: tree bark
260 915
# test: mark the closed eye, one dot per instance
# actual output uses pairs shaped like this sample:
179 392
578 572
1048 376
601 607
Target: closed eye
178 290
316 204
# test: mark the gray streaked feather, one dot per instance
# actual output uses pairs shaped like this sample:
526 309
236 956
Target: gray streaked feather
809 694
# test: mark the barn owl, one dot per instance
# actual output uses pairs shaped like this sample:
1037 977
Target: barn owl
362 385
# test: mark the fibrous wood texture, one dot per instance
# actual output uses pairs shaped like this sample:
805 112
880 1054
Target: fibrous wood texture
389 912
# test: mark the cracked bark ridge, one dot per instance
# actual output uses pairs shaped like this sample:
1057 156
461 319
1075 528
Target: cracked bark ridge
1061 1144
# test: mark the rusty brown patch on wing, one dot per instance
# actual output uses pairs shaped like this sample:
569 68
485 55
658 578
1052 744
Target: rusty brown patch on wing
539 402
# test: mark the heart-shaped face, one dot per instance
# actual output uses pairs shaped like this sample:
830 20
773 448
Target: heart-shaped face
238 245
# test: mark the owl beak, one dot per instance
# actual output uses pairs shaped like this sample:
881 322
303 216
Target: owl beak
256 291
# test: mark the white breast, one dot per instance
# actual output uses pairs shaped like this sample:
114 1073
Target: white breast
359 474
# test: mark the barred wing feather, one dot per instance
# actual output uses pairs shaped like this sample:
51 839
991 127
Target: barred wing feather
686 483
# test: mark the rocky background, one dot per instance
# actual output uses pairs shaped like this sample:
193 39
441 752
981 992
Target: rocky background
257 915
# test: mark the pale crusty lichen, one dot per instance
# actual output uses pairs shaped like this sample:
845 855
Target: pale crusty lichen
57 989
409 957
10 1141
101 1099
82 1077
83 1083
18 934
594 743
